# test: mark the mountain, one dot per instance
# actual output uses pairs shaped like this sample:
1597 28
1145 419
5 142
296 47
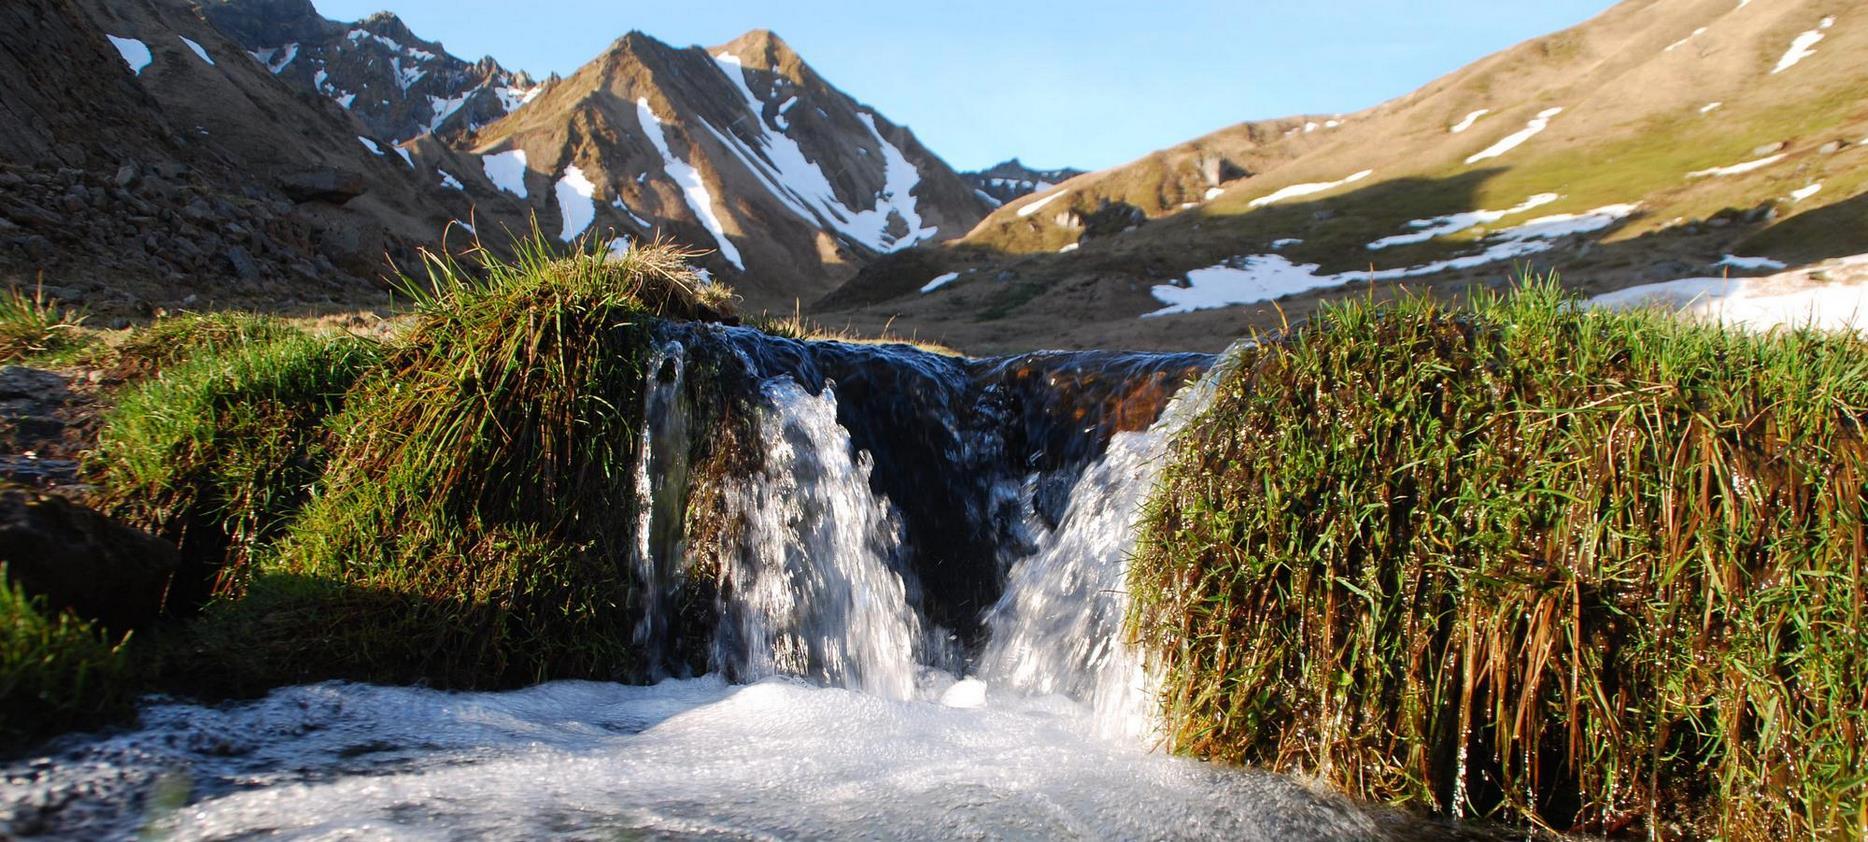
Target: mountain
1009 180
742 148
399 85
168 153
1649 143
149 163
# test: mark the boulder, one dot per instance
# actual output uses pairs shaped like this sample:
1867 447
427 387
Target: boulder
81 560
324 184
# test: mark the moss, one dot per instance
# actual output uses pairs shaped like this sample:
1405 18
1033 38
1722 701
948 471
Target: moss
1571 568
217 453
475 523
58 672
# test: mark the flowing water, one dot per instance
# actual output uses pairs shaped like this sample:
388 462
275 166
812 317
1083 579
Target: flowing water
918 634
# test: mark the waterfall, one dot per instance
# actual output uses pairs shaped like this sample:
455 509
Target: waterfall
661 499
1059 626
814 587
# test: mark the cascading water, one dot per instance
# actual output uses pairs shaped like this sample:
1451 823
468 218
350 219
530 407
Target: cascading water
814 587
896 495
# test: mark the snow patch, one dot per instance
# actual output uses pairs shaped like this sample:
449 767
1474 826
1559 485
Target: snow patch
199 51
1214 193
800 184
1832 295
404 154
1267 277
1285 243
1710 107
1802 47
135 53
693 189
1802 193
1070 248
1737 262
450 181
1034 206
506 170
1517 138
939 281
1297 190
577 205
1441 226
1736 169
370 145
1682 42
1467 121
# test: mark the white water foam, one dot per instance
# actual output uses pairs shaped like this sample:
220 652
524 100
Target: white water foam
813 589
695 758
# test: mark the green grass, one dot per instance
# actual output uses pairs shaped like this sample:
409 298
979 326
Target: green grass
1569 568
474 524
57 671
170 340
218 452
33 326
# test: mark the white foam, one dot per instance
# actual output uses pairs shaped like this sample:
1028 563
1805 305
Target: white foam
197 49
693 758
577 204
1515 139
693 188
1297 190
135 53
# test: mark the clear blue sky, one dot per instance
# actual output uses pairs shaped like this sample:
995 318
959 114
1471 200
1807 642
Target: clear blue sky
1088 84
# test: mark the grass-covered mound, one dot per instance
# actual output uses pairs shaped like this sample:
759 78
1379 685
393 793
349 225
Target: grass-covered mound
218 451
1581 569
474 525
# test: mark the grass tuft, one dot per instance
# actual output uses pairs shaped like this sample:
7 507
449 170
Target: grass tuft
1581 570
57 671
32 326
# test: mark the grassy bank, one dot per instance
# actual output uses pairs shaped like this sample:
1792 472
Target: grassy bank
475 520
1576 569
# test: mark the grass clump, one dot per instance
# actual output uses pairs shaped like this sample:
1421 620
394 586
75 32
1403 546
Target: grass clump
216 453
58 672
33 326
170 340
1576 569
474 526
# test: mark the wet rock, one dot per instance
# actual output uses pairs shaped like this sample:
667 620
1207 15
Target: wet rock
81 560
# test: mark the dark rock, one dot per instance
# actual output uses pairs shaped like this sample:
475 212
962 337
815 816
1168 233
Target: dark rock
243 264
323 185
81 560
126 175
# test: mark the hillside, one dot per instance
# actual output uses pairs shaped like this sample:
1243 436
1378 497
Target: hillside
1009 180
1644 145
151 163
